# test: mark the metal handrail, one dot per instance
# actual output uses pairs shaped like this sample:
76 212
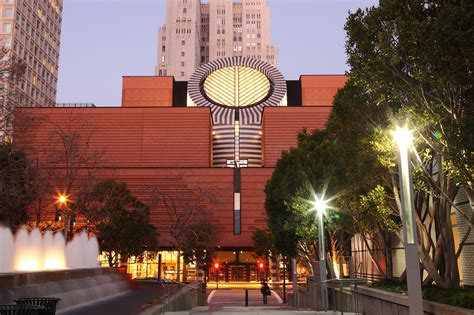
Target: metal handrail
182 284
352 281
342 283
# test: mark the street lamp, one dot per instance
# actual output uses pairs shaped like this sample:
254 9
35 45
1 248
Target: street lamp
403 137
216 267
321 205
63 200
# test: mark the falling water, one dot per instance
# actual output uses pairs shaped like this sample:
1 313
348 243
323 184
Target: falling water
36 252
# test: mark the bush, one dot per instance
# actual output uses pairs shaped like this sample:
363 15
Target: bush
455 297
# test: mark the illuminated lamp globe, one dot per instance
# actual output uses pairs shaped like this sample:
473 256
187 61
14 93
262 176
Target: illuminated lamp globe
403 137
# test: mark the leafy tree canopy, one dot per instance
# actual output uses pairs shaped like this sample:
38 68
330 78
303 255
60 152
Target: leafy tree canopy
16 189
200 241
119 219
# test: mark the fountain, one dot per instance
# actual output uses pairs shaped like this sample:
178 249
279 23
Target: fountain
35 252
33 264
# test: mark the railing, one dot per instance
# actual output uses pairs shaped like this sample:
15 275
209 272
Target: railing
177 296
339 299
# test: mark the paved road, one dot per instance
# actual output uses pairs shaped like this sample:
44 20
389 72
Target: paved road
128 303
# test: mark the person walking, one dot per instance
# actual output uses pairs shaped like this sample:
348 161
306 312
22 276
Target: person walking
265 290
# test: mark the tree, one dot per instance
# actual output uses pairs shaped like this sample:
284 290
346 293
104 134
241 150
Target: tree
263 243
67 162
119 219
125 236
11 74
16 189
199 241
301 172
184 203
414 58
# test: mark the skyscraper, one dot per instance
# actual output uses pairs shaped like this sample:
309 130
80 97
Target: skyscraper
31 29
196 33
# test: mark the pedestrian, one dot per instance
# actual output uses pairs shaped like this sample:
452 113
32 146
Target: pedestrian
265 290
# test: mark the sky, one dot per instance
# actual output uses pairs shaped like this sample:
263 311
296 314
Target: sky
103 40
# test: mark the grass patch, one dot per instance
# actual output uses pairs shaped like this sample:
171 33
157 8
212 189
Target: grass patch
455 297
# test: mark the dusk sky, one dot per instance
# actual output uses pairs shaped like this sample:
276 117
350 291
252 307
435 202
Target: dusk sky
103 40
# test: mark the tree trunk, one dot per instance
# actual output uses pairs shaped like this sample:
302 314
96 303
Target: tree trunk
372 257
387 237
178 268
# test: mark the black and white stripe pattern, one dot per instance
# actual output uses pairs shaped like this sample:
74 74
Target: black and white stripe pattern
251 145
222 115
249 139
251 115
277 81
223 144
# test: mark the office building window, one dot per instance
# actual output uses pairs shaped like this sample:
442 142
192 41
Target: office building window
182 54
182 73
183 42
7 27
8 13
7 42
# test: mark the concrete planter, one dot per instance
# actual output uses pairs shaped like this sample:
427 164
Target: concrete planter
373 302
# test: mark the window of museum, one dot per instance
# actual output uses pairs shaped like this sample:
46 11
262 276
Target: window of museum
183 42
182 74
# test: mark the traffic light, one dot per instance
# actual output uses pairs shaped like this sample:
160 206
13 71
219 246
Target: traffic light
216 265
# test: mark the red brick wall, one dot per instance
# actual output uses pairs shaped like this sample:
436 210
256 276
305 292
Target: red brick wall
282 124
147 91
252 200
126 137
320 89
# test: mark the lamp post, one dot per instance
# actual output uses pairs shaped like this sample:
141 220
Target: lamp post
216 267
402 137
320 205
63 200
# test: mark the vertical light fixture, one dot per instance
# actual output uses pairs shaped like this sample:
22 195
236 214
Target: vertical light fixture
320 205
62 200
403 137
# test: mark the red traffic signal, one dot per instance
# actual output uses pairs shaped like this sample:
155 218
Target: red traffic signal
216 265
260 265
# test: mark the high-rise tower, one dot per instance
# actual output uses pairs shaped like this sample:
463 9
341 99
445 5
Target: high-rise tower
31 29
196 33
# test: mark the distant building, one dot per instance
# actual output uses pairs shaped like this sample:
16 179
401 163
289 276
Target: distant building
197 33
75 105
212 142
32 31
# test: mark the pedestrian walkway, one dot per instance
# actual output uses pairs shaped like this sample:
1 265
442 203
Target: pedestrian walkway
236 297
255 310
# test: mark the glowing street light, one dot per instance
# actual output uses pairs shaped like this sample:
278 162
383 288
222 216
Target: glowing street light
321 205
403 138
63 200
216 267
